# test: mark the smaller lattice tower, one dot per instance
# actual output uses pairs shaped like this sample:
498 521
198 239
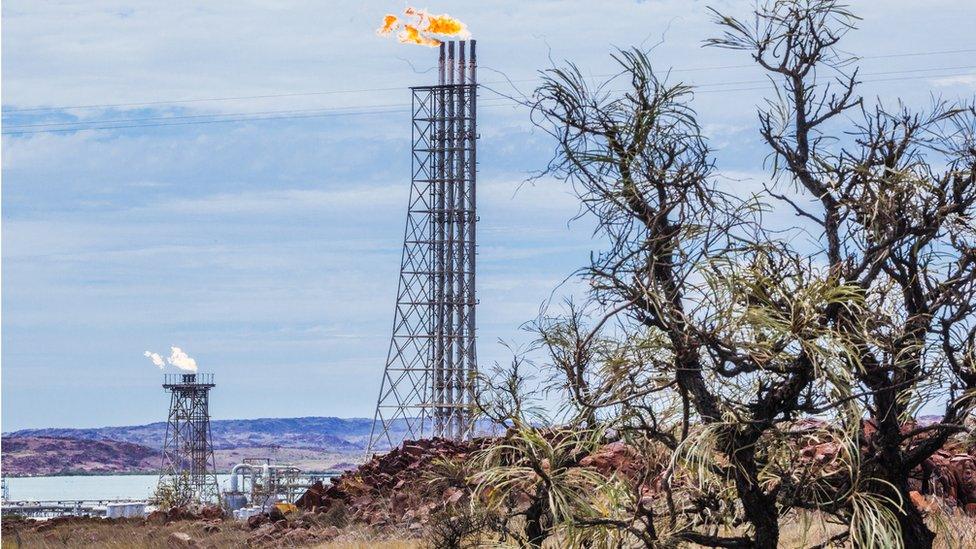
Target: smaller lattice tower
188 472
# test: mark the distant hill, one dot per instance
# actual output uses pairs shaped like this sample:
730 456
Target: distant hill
312 443
51 456
332 434
316 433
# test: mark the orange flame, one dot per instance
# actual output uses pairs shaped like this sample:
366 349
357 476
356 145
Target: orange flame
442 24
390 22
411 35
422 27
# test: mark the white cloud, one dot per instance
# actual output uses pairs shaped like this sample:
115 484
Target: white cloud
967 81
262 203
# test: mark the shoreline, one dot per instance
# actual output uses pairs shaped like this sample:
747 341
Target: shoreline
91 474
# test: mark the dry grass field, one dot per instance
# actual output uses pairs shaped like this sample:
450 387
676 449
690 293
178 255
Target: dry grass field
954 532
135 534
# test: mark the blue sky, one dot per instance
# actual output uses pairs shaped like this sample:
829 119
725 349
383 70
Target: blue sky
269 250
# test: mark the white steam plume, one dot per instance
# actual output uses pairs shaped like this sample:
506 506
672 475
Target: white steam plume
181 360
155 358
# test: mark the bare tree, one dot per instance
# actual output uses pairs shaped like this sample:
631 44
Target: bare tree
705 304
895 203
721 350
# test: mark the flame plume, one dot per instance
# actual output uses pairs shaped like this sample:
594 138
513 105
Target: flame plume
422 27
411 35
442 24
390 22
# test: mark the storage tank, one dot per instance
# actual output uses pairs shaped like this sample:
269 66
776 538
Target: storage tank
125 510
234 501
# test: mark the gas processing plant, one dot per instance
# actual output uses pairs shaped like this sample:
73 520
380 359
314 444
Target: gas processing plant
429 379
188 472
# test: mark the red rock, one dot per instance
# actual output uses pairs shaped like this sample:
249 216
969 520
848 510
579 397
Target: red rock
211 512
413 450
964 471
180 513
616 457
453 495
181 539
922 503
297 536
156 517
257 521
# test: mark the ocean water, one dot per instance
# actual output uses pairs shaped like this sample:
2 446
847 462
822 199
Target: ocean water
87 487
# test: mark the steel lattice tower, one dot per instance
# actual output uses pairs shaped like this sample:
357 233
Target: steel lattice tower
428 386
188 466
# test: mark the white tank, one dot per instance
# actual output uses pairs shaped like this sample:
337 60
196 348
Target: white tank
125 510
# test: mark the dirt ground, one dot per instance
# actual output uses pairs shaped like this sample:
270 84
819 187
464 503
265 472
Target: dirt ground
136 534
954 532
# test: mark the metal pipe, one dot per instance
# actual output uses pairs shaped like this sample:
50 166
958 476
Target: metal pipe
459 305
470 298
450 253
438 225
440 65
440 221
235 470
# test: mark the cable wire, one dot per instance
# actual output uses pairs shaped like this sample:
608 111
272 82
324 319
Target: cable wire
329 109
366 109
394 88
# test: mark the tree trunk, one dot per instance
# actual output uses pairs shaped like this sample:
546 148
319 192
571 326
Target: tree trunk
914 533
891 466
760 509
535 531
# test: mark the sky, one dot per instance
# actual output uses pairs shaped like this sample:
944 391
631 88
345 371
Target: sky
269 249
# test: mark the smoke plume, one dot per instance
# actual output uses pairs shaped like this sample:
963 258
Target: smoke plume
156 359
181 360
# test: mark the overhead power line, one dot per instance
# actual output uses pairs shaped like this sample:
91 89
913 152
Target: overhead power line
246 117
199 116
394 88
391 108
200 100
216 121
698 87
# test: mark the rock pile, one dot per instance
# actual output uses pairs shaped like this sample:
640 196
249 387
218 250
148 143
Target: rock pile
275 530
948 475
397 490
391 489
182 512
951 476
615 458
